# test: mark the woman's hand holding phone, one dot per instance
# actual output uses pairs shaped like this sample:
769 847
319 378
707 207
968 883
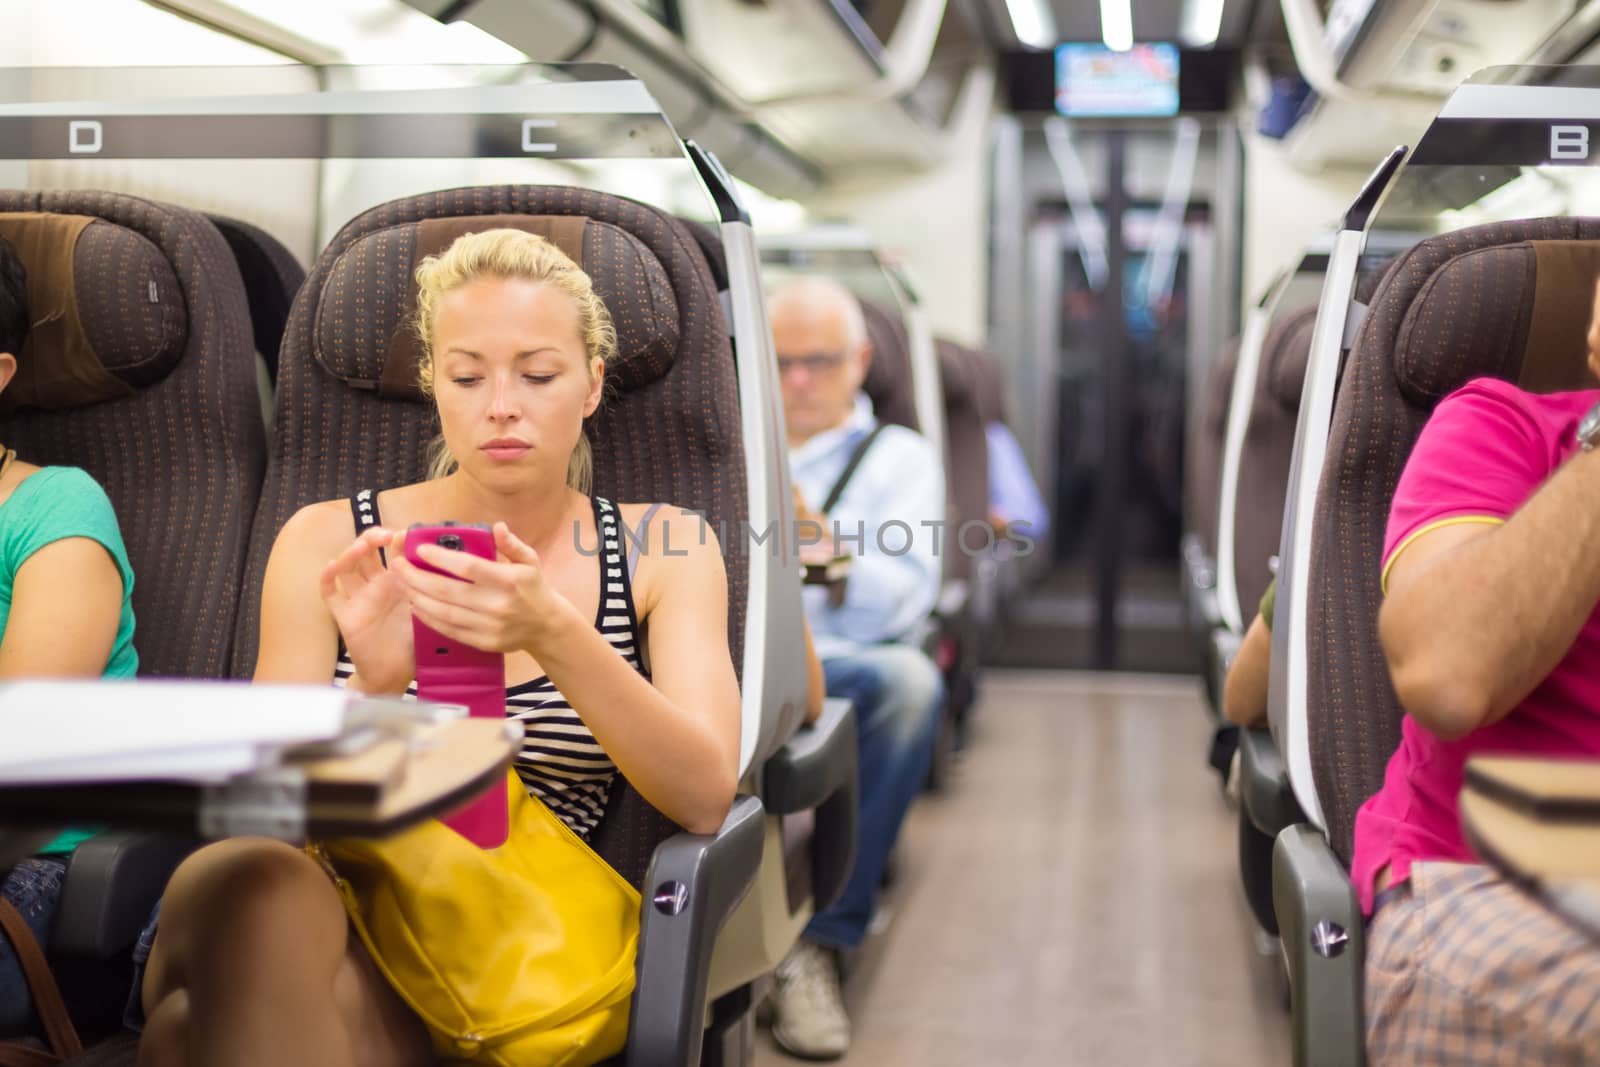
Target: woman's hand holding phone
504 605
369 605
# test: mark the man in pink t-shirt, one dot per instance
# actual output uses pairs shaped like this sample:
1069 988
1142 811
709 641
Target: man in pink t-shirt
1491 578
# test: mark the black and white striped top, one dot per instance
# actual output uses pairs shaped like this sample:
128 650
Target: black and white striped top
560 763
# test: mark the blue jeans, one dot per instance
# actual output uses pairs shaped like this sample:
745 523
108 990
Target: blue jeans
34 887
898 693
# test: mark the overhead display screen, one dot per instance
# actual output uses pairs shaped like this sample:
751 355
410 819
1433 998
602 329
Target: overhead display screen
1094 81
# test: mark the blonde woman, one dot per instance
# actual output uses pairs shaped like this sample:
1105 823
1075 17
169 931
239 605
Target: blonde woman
609 671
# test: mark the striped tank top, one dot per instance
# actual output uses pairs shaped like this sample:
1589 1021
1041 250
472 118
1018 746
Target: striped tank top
560 762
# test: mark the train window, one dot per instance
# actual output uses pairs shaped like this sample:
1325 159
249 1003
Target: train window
359 31
95 33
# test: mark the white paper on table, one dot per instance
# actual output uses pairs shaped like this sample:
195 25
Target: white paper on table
76 731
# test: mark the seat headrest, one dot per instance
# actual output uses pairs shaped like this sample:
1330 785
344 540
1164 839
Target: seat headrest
379 270
1218 393
958 373
1518 311
108 314
1287 354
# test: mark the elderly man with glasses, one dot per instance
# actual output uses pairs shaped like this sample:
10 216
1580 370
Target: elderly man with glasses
874 493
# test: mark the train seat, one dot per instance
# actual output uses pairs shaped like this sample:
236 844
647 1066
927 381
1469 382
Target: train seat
890 387
140 373
1264 460
888 381
1505 300
670 430
807 859
967 501
1258 523
998 582
272 276
1203 476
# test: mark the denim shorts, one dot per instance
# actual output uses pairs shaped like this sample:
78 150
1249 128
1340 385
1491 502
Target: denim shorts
133 1014
34 889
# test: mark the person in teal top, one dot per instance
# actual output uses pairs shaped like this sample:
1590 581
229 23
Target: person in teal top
66 611
49 506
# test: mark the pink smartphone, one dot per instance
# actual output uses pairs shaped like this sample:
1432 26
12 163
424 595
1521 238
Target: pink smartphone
451 672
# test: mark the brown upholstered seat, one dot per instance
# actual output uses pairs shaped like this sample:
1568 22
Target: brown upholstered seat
1204 473
1268 447
888 383
967 488
172 430
1506 300
990 395
349 416
272 276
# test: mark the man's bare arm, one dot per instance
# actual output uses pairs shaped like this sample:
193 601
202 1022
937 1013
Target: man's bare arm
1478 615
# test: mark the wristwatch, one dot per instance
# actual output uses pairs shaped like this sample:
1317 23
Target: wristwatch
1589 430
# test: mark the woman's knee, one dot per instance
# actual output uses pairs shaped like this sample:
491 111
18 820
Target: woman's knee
246 886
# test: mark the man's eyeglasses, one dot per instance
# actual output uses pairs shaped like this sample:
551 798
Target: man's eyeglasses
814 364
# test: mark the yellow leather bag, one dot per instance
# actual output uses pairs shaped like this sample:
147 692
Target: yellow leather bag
517 955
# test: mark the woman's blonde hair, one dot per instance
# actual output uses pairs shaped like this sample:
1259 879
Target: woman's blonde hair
511 254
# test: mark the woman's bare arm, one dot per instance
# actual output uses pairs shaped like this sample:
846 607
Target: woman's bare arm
816 681
1244 690
299 641
66 605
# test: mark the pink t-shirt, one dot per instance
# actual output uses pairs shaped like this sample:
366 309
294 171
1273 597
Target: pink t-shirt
1488 447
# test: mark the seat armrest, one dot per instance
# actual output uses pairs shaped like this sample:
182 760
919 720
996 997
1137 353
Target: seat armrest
817 769
1264 783
1320 923
112 882
1224 646
694 883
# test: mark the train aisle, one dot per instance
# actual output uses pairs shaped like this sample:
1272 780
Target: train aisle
1073 898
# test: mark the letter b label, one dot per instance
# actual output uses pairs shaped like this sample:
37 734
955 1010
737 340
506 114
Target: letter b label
1569 142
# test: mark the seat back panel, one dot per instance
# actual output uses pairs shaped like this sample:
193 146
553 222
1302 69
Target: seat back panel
1455 307
668 430
181 457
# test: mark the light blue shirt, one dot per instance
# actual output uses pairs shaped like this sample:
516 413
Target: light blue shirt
890 518
1012 492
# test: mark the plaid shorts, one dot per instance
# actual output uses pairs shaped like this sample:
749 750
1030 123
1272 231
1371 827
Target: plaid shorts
1466 968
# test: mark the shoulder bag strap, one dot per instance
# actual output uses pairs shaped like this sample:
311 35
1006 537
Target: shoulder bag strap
850 470
47 1002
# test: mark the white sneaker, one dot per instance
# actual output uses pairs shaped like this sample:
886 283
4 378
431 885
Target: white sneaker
811 1022
1231 788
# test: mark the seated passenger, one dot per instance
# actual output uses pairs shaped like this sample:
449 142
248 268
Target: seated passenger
1244 690
1489 624
254 961
1244 694
887 517
66 611
1015 506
